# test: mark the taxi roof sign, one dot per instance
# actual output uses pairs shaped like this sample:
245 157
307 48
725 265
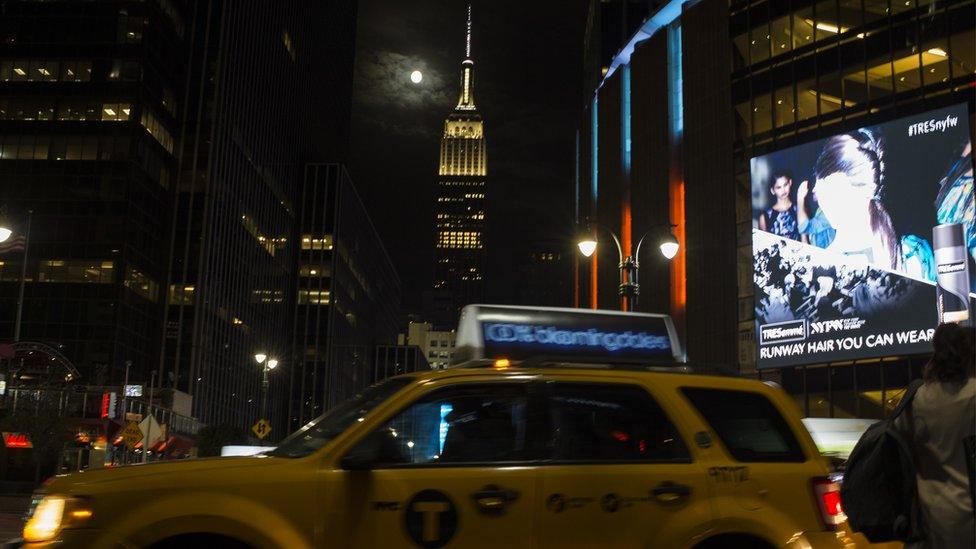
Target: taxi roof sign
572 335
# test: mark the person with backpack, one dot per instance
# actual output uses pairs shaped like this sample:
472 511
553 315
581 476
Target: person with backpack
940 422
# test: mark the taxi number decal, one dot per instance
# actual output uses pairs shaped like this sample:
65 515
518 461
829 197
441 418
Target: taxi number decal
729 474
431 519
557 503
385 505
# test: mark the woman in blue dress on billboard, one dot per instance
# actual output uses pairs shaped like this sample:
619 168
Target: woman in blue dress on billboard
781 219
850 189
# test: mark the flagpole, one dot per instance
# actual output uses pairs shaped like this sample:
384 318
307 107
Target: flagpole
23 278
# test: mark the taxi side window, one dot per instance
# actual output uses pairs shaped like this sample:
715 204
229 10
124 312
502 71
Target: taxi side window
751 428
611 423
470 423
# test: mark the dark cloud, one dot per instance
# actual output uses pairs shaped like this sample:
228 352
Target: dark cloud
383 82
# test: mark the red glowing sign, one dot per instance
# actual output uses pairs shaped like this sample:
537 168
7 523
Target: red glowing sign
17 440
106 399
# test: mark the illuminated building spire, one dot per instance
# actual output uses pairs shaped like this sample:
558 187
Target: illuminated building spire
466 101
467 49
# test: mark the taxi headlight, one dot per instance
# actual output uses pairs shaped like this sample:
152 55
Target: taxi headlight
54 513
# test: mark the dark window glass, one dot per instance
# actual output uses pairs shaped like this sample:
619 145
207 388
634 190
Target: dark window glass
323 429
751 428
610 423
462 424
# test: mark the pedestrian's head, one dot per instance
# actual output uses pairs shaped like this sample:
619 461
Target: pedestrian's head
952 356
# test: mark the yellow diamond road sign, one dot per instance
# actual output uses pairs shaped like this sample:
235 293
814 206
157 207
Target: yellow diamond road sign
132 434
261 428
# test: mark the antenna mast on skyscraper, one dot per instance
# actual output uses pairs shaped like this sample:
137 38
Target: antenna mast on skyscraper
467 50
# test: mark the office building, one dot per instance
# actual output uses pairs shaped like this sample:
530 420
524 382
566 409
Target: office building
161 146
92 98
746 79
393 360
348 297
460 197
436 345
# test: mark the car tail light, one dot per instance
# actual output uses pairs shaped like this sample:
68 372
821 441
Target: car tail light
827 494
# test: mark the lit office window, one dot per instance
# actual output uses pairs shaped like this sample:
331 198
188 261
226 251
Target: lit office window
313 297
181 295
118 112
140 283
157 130
75 271
310 242
314 271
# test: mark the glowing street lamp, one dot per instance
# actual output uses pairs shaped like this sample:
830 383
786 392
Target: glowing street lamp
587 246
669 246
629 288
269 364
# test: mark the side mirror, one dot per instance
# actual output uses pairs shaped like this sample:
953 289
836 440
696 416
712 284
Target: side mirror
355 461
367 453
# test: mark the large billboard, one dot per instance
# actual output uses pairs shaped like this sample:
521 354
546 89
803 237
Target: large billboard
864 242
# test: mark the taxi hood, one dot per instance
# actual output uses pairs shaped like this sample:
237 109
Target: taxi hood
161 474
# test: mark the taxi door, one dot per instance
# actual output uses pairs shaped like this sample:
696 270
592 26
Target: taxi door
621 475
450 469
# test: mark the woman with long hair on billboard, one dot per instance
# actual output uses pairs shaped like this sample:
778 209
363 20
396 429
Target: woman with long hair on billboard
850 189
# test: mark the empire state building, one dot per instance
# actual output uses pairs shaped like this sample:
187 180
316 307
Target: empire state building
459 208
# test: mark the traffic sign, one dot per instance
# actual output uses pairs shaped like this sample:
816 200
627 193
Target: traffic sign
261 428
132 434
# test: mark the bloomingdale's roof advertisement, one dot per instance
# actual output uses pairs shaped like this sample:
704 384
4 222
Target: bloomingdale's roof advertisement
863 242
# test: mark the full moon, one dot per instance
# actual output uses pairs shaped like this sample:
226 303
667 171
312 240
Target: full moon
416 77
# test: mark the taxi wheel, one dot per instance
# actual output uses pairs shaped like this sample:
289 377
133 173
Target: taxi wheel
734 541
200 541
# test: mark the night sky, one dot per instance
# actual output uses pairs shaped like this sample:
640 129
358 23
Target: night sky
527 85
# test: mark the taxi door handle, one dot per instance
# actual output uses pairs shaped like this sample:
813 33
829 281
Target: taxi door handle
668 492
492 500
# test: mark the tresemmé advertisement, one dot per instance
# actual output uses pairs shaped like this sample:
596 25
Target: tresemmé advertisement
865 241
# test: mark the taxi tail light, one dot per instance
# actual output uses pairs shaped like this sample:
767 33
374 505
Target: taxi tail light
826 492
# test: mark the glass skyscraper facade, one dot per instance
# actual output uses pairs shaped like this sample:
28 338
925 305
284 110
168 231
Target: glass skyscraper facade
161 147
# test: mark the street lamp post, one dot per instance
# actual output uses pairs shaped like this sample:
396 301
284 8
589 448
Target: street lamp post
6 233
268 365
629 265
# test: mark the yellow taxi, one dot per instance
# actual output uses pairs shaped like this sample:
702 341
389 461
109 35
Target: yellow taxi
549 448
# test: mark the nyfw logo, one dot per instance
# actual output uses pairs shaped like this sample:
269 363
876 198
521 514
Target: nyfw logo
839 325
781 332
933 125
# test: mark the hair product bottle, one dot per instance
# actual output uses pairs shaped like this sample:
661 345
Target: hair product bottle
951 259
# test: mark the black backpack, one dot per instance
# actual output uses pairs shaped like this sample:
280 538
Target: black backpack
879 493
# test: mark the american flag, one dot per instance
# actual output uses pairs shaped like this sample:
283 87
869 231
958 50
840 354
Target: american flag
16 244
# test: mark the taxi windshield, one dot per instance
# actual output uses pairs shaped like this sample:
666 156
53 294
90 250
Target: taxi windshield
320 431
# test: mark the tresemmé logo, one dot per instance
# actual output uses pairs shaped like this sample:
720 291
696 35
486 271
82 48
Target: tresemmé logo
782 332
949 268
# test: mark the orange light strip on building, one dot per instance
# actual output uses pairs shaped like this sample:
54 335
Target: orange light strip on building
576 282
679 281
594 290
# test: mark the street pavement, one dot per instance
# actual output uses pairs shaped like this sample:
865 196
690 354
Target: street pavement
12 510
